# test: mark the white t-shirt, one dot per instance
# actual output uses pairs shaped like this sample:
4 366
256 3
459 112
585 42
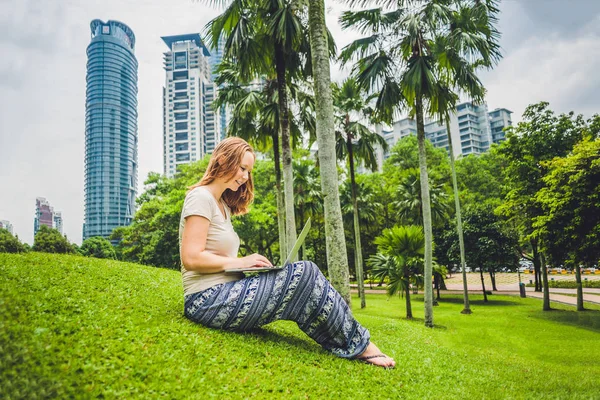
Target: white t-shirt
221 239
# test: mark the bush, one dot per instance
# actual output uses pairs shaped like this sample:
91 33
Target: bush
97 247
10 243
50 240
571 284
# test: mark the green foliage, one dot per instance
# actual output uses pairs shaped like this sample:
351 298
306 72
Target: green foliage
570 224
76 327
10 243
489 244
564 284
48 240
97 247
480 179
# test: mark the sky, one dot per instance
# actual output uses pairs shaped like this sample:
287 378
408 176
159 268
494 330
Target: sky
551 52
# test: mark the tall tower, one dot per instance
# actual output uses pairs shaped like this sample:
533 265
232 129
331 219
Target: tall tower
111 133
191 128
44 214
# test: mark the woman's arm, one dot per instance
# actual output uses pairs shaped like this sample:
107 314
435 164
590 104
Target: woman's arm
195 257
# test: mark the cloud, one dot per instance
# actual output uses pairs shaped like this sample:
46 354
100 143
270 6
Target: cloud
554 68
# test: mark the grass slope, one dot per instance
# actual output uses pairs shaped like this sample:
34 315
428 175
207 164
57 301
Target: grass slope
85 328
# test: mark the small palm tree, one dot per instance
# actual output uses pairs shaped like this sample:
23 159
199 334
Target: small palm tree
400 257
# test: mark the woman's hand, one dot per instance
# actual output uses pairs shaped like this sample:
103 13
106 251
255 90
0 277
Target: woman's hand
253 260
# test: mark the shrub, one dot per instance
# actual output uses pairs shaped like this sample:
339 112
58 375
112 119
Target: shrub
97 247
571 284
50 240
10 243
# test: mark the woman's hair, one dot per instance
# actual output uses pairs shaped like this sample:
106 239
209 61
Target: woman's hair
225 162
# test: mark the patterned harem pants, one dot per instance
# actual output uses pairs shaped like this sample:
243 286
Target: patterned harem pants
299 292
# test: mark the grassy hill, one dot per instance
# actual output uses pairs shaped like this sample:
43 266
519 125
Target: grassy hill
79 327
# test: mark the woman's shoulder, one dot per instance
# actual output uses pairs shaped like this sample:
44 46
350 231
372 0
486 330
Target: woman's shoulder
199 194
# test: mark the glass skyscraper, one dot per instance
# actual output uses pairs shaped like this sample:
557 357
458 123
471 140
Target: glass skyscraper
111 133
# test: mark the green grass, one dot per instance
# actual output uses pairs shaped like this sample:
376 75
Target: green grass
84 328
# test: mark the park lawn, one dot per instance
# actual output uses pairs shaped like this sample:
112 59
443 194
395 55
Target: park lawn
79 327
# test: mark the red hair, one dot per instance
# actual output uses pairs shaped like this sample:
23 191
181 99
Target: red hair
225 162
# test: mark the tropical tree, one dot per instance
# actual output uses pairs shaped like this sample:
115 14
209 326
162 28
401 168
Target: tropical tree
307 195
400 258
355 142
268 39
97 247
49 240
10 243
540 136
408 200
337 259
569 227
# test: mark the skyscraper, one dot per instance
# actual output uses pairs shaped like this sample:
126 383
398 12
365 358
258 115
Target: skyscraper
111 134
191 128
216 55
44 214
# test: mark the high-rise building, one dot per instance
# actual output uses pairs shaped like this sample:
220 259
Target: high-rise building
473 129
216 55
191 127
57 221
4 224
111 132
500 118
44 214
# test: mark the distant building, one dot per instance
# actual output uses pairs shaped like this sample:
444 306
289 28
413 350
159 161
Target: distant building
44 214
111 130
58 222
472 127
216 55
4 224
500 118
191 128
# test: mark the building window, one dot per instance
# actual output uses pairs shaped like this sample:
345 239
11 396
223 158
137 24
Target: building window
181 125
180 85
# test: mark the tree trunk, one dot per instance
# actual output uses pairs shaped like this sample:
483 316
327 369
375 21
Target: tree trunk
357 244
459 229
409 314
437 287
546 306
337 258
302 222
485 299
536 265
579 288
280 202
286 149
427 226
493 279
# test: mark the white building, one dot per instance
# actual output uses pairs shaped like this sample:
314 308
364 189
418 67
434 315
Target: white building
472 129
191 128
4 224
58 221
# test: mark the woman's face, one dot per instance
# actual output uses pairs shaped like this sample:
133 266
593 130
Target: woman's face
243 173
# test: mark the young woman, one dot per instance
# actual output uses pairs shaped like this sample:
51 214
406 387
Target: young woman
299 292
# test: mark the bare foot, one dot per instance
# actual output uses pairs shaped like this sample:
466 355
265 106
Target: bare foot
372 355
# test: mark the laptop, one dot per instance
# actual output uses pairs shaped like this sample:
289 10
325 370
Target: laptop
287 261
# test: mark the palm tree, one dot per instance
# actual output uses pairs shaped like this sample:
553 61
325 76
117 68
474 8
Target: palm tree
337 259
408 200
355 142
405 61
400 257
268 39
306 193
255 118
473 42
